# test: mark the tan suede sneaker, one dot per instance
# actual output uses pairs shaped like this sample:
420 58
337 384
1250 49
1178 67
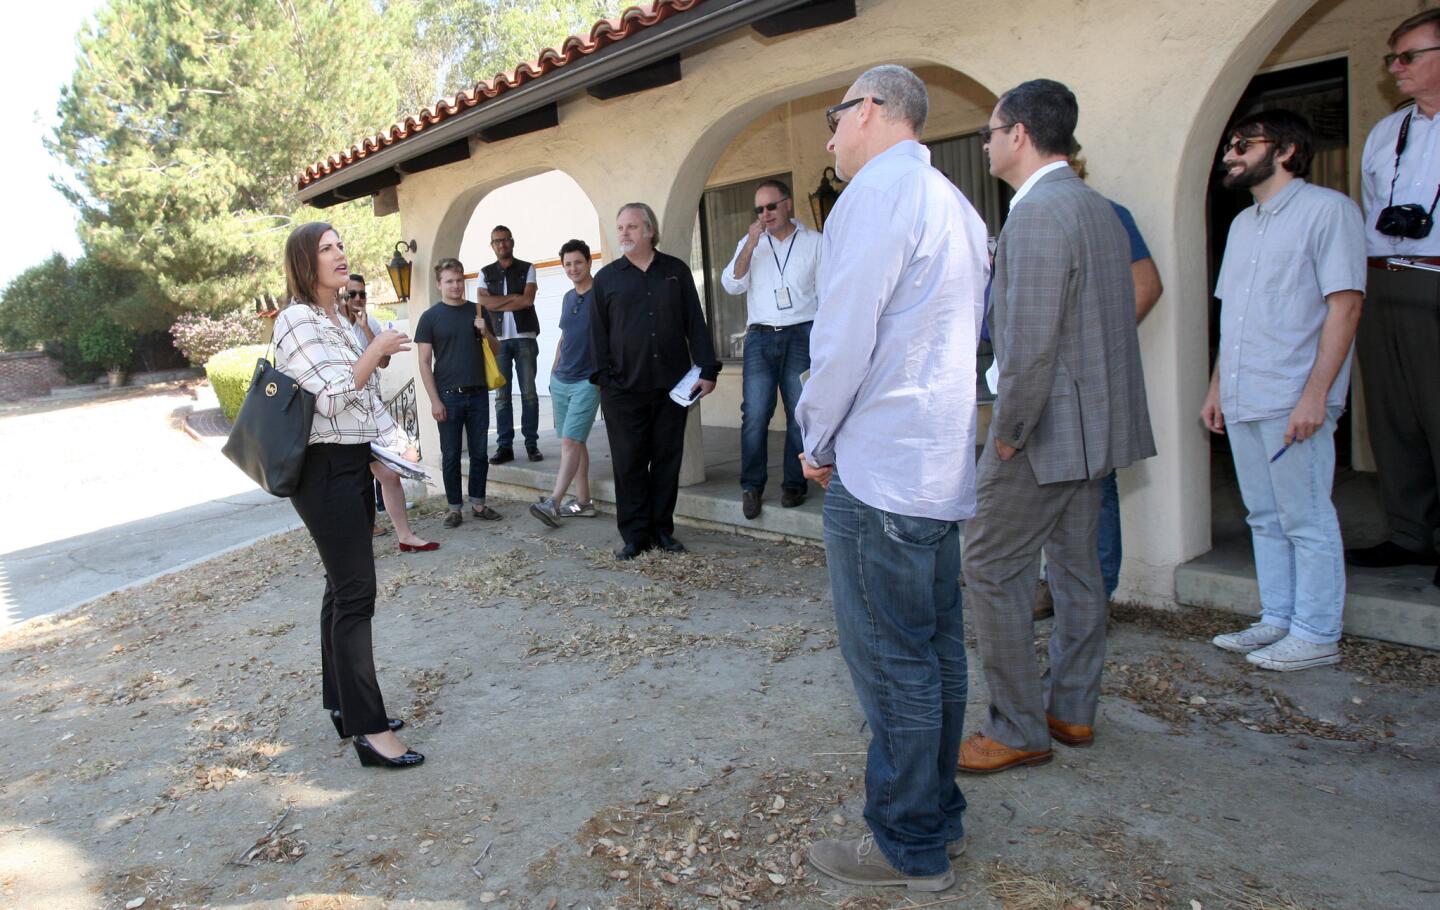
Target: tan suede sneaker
860 862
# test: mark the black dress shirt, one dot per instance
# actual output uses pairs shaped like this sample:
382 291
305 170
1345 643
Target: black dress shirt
647 328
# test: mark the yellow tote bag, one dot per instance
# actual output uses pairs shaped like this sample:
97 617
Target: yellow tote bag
494 379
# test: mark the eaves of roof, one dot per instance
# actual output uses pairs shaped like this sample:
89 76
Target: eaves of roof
639 36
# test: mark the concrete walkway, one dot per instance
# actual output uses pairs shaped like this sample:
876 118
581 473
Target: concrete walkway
112 493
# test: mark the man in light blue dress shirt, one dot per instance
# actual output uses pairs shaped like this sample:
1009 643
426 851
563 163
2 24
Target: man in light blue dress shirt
1290 287
888 422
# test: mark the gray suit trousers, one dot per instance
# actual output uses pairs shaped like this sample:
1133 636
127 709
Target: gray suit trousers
1397 343
1016 518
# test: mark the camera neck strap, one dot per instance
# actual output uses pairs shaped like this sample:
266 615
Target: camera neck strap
1400 142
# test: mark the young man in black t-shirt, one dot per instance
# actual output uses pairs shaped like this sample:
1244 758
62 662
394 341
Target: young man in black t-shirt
450 334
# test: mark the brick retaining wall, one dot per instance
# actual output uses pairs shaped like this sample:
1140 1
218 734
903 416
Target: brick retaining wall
28 373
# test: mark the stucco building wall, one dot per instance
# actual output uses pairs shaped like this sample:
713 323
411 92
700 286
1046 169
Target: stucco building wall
1156 83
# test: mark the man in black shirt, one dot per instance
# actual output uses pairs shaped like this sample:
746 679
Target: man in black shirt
646 329
451 334
508 298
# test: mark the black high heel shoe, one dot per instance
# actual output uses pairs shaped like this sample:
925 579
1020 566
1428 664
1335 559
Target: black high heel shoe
370 758
395 724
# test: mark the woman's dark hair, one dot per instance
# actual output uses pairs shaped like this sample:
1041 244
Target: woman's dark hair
302 255
1282 128
575 246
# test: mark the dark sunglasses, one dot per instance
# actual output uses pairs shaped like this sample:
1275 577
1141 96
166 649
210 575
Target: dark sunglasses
1242 145
1407 57
987 131
351 295
832 115
770 206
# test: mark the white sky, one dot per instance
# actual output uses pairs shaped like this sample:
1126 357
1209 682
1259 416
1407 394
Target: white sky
37 219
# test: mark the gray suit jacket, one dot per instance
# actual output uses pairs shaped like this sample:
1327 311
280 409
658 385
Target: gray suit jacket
1062 321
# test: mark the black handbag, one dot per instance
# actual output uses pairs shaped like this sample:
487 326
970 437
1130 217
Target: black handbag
271 431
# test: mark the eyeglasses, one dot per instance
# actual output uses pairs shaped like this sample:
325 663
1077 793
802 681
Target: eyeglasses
987 131
770 206
1242 145
832 116
1407 57
352 295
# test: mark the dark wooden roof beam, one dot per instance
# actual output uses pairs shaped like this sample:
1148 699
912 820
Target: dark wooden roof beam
812 15
541 118
459 150
665 71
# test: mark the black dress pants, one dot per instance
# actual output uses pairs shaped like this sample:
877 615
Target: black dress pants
1399 349
336 500
647 440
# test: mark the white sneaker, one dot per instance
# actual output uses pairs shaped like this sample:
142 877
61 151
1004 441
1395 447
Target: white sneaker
1291 653
1247 640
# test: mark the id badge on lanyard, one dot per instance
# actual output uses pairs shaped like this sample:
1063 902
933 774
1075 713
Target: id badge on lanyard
782 293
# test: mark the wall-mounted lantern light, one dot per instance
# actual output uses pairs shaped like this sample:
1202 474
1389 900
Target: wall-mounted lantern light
399 269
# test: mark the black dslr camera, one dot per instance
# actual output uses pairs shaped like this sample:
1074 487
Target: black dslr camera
1409 220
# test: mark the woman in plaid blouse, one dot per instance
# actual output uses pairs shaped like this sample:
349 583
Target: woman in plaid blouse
336 499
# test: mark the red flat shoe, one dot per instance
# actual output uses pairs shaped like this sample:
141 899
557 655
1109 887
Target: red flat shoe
422 548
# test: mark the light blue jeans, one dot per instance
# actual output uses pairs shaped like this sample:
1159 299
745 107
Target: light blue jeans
1299 556
895 580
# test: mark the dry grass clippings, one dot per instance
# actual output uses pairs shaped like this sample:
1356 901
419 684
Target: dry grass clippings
738 849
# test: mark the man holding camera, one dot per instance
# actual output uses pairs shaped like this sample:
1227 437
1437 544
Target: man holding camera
1400 331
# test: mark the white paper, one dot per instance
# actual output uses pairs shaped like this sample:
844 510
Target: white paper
681 393
992 377
413 470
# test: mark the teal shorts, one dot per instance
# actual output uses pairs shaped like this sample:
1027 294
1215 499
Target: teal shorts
574 404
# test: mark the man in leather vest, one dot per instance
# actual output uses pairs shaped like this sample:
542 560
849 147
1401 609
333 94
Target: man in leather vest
508 298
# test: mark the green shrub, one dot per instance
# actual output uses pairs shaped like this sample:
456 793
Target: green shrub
383 314
230 371
107 345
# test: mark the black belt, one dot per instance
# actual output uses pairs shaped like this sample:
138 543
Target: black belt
465 390
762 327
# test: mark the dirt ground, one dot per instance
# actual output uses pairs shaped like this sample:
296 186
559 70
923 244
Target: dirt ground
664 734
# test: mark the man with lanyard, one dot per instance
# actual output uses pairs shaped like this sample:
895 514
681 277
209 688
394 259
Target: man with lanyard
508 296
780 301
1399 327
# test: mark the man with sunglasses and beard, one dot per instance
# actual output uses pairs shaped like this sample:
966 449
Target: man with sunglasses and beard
775 267
1291 284
1400 328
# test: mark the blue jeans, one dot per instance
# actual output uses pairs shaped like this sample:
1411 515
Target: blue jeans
517 362
895 581
772 359
1299 557
468 414
1108 535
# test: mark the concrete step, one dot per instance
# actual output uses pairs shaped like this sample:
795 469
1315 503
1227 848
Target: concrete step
1399 605
714 505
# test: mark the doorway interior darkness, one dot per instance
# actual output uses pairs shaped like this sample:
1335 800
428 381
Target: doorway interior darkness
1319 92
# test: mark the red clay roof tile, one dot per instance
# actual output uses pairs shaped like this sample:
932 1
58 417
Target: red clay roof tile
603 34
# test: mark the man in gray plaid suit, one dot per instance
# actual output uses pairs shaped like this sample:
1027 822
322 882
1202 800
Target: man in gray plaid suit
1069 409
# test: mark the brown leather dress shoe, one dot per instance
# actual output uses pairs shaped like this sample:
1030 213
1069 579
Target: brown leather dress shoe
982 755
1070 734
